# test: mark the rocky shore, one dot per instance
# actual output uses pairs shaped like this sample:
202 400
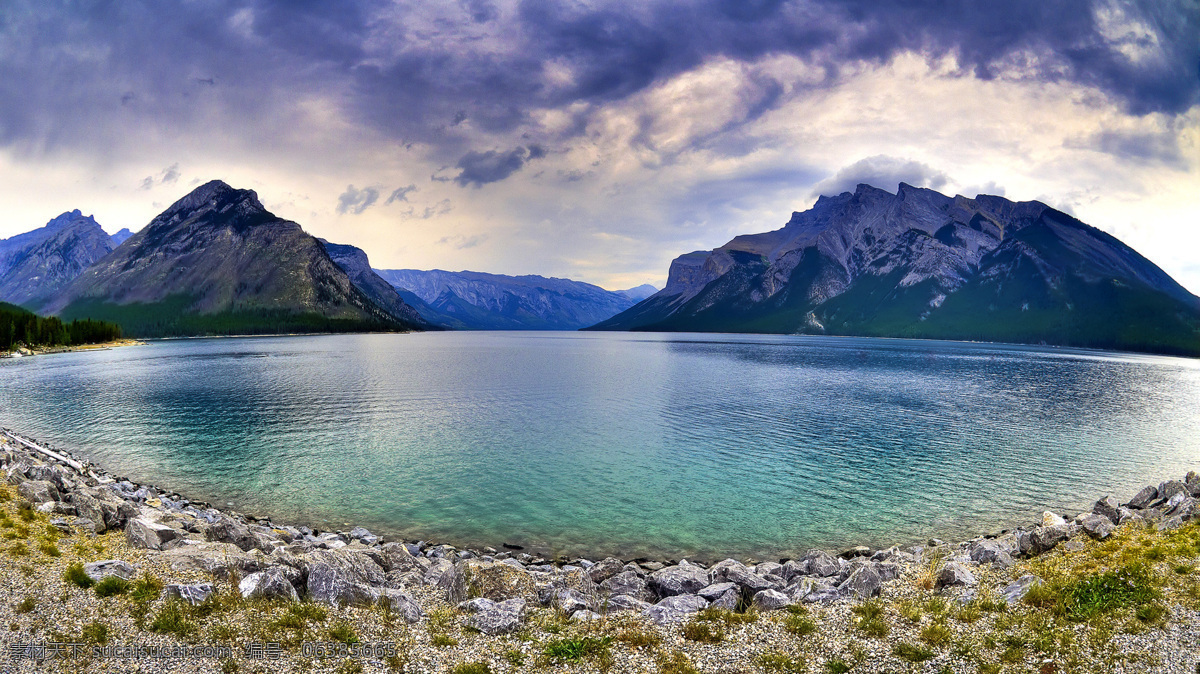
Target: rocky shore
184 574
23 351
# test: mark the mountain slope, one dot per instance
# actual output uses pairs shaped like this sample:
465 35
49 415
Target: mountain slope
479 301
36 264
217 262
120 237
921 264
357 266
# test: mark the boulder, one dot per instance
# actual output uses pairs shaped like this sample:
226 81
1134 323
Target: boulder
605 569
143 533
402 603
495 618
821 564
217 559
583 615
1016 590
989 551
38 491
1050 519
769 569
567 600
98 571
1098 526
770 600
1168 489
492 580
863 582
677 580
342 578
623 602
1143 498
750 582
268 584
955 574
1107 507
1170 523
55 508
436 574
728 600
675 609
716 590
194 594
363 536
1043 539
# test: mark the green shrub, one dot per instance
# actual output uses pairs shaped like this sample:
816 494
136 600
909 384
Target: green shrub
799 625
77 576
146 589
171 620
344 633
674 662
567 650
442 640
704 632
1131 585
912 652
936 634
111 585
837 666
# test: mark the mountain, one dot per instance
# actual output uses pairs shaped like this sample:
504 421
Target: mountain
119 237
354 262
920 264
217 262
36 264
478 301
639 293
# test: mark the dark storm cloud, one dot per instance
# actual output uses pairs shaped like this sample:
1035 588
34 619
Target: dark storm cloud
355 201
126 63
883 172
480 168
1143 147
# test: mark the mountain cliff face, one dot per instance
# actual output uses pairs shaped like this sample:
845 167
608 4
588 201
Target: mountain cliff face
357 266
921 264
217 262
36 264
120 237
479 301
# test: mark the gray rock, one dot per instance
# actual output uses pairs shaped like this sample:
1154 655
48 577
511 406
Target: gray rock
143 533
268 584
770 600
686 603
863 582
494 580
769 569
1127 515
496 618
1107 507
823 596
218 559
62 525
887 571
715 590
751 583
793 568
38 491
437 571
821 564
341 578
605 569
1043 539
1098 526
1168 489
675 609
1170 523
1143 498
194 594
1074 545
55 508
570 600
677 580
98 571
988 551
1016 591
88 507
955 574
401 603
623 602
363 536
728 600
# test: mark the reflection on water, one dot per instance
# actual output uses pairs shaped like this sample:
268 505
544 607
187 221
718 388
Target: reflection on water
635 444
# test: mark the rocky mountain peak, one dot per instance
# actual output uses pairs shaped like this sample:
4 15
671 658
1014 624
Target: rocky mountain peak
215 195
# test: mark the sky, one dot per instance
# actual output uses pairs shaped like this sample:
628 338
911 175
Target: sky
598 140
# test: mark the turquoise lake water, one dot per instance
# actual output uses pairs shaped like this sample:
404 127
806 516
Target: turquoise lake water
659 445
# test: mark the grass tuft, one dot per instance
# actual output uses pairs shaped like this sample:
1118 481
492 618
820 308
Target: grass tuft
912 652
704 632
111 585
75 575
776 661
472 668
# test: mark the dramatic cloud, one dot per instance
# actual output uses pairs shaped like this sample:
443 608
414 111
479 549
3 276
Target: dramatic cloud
600 139
884 172
480 168
356 201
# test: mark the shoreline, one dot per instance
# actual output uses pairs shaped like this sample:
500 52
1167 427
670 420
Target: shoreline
48 350
240 577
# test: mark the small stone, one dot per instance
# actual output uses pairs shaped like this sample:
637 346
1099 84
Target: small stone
584 615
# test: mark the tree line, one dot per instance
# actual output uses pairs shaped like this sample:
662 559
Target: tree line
19 327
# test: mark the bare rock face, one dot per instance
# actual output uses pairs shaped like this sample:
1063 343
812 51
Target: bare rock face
143 533
343 578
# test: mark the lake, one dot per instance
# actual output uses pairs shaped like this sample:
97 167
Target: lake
657 445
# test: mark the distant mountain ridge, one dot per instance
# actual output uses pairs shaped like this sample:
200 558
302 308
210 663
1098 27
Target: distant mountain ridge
217 262
920 264
481 301
36 264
